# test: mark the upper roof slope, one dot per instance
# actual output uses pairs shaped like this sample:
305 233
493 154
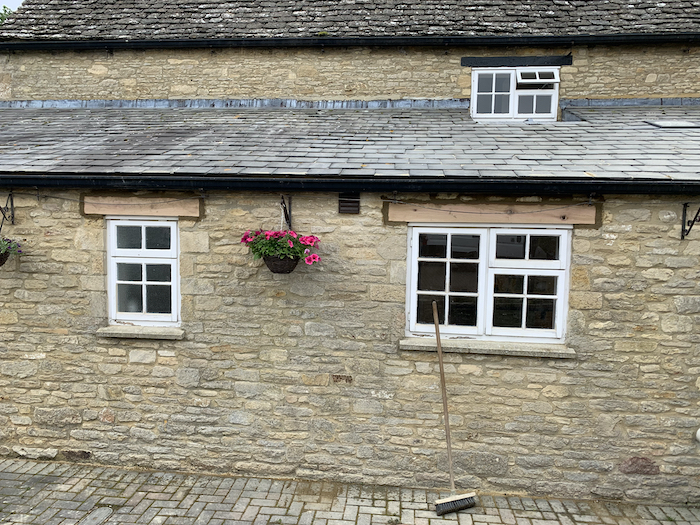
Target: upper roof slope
214 19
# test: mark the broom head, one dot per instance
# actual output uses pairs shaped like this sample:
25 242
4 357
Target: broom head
455 503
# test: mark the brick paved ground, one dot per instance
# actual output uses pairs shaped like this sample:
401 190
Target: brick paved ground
50 493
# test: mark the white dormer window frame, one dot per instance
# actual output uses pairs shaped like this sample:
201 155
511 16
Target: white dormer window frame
515 93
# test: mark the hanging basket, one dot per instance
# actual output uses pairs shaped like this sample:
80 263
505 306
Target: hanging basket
3 257
277 265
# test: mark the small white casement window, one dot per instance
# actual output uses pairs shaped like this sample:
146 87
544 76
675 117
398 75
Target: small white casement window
489 283
143 272
515 93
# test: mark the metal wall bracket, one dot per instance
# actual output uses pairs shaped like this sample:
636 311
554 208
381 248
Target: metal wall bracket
8 211
687 225
287 210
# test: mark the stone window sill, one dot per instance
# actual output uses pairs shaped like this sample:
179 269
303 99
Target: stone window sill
142 332
472 346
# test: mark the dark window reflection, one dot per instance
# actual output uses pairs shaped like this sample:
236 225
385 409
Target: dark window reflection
158 272
510 246
128 272
431 275
158 299
157 238
129 298
129 237
544 247
540 313
507 312
432 245
542 285
464 277
425 308
463 311
508 284
465 246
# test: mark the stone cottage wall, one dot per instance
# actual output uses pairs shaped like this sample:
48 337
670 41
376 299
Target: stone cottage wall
333 73
301 375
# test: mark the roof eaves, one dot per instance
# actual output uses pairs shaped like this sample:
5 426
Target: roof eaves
415 41
481 185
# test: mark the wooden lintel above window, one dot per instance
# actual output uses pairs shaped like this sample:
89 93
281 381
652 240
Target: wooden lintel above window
493 213
183 206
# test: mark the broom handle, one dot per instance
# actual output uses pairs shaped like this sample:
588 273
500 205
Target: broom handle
436 319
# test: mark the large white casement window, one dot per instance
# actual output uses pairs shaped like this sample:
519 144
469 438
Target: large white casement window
489 283
515 93
143 272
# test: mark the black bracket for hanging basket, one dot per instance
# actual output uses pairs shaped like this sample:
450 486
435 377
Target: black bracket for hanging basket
8 211
687 225
287 210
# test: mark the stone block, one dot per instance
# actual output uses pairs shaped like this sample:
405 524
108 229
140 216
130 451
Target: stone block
57 417
142 356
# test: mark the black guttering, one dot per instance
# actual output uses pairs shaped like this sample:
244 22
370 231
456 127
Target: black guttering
508 186
420 41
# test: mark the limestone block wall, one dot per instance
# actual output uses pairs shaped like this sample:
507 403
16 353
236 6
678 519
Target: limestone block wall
301 374
332 74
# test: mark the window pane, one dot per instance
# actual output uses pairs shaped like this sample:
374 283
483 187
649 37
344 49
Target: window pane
158 299
425 308
432 245
510 246
541 285
157 238
544 247
129 237
508 284
431 275
501 104
502 83
528 75
465 246
546 75
485 83
128 272
463 311
464 277
543 104
483 104
158 272
540 313
507 312
129 298
526 104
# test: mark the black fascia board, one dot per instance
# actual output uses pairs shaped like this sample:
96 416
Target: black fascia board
518 61
493 186
415 41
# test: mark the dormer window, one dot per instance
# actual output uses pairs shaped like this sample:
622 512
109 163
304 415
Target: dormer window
515 93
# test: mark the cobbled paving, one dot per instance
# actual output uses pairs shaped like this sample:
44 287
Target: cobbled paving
51 493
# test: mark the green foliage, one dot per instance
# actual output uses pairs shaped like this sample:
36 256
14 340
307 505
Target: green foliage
283 244
4 13
8 245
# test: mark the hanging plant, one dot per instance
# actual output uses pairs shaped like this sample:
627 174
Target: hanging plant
7 248
281 250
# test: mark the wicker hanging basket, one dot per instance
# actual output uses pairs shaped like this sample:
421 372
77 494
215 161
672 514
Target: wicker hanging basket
278 265
3 257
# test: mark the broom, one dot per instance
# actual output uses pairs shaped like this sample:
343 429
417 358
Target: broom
455 502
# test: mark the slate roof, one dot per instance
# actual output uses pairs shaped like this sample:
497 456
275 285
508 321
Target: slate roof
214 19
434 143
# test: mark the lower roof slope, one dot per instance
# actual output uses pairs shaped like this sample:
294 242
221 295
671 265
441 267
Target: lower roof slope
54 146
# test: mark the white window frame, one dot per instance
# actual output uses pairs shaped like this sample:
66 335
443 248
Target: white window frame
489 267
143 256
518 87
